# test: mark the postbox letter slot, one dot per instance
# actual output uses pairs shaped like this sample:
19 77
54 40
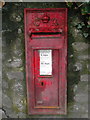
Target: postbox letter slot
44 33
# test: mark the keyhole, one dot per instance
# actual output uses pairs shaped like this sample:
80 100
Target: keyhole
42 83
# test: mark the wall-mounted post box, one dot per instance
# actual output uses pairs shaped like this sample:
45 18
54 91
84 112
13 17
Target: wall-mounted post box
46 60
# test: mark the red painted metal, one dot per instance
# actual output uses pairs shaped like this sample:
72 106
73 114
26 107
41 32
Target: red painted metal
46 29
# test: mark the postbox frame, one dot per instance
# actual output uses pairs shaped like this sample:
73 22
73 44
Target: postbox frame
29 73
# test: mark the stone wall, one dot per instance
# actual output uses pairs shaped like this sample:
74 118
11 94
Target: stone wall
0 66
13 52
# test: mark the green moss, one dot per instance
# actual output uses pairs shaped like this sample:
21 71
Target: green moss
46 5
9 92
85 71
15 108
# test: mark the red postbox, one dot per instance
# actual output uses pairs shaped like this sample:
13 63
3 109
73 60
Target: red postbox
46 60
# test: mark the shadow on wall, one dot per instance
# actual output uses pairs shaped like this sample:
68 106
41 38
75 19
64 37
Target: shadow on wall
73 75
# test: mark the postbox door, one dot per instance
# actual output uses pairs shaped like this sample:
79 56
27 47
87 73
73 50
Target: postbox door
46 78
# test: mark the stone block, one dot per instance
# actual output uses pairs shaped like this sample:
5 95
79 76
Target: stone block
15 75
84 77
80 46
81 98
77 115
7 102
16 63
0 114
84 57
